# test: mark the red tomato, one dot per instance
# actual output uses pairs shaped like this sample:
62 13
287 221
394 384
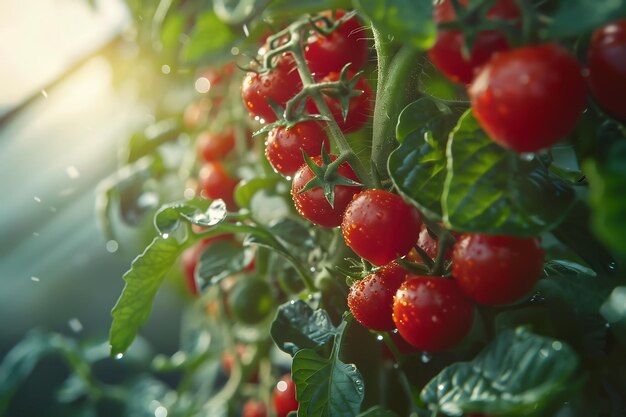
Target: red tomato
284 396
432 313
529 98
196 113
359 107
496 269
280 84
212 146
607 68
380 227
189 262
347 44
428 245
228 362
371 299
312 204
283 147
214 182
253 408
447 53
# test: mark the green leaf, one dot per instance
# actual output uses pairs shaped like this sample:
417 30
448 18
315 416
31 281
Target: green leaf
518 373
298 326
197 211
245 190
408 21
220 260
579 17
144 392
143 280
378 412
418 166
585 294
210 36
559 267
292 233
491 190
326 387
607 182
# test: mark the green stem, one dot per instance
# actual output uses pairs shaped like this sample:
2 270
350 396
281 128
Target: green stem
446 240
398 79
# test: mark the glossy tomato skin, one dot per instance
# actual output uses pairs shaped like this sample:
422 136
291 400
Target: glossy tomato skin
371 299
254 408
279 84
359 108
284 396
212 146
428 245
380 226
528 99
215 182
346 44
283 147
447 53
432 313
312 204
496 270
606 62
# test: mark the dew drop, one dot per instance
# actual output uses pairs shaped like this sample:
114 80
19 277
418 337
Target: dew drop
612 265
281 386
379 338
37 199
34 279
426 357
75 325
160 412
119 356
556 345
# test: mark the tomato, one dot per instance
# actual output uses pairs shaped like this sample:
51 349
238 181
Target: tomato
371 299
346 44
284 396
496 269
196 113
215 182
312 204
606 62
432 313
359 107
447 53
380 227
253 408
283 147
251 300
189 262
213 146
428 245
228 361
529 98
279 84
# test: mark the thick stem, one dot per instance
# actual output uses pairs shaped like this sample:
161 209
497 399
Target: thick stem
398 78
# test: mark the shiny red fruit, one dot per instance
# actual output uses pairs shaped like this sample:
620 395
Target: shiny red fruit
313 205
371 299
346 44
283 147
359 108
432 313
606 62
529 98
212 146
496 270
284 396
189 262
253 408
380 226
280 84
215 182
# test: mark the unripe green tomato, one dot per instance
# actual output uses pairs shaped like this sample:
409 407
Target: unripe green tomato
251 300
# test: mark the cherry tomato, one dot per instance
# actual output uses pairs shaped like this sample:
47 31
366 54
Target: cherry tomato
371 299
189 262
228 361
196 113
447 53
496 269
432 313
283 147
529 98
428 245
380 227
213 146
251 300
312 204
284 396
359 107
346 44
280 84
606 62
253 408
215 182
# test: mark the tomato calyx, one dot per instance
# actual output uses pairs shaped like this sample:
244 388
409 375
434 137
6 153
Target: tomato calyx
343 89
326 176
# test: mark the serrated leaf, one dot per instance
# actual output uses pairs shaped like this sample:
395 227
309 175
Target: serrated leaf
326 387
220 260
405 20
245 190
518 373
297 326
293 233
580 17
210 36
143 280
489 189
